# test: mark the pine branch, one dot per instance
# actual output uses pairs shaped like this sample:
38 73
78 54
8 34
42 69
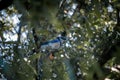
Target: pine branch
38 61
109 50
69 69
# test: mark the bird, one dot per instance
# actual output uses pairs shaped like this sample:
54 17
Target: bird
54 44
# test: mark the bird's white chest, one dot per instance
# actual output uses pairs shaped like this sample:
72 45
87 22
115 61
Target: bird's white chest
55 45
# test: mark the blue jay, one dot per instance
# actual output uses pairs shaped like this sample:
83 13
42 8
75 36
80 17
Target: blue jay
54 44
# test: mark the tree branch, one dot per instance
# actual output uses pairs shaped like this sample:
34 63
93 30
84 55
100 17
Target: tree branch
118 16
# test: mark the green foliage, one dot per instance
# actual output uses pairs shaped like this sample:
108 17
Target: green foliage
91 32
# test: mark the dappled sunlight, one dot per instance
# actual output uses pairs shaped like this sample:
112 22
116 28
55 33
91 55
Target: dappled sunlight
60 40
10 37
10 20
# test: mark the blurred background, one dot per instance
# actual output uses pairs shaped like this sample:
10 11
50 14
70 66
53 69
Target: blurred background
91 52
